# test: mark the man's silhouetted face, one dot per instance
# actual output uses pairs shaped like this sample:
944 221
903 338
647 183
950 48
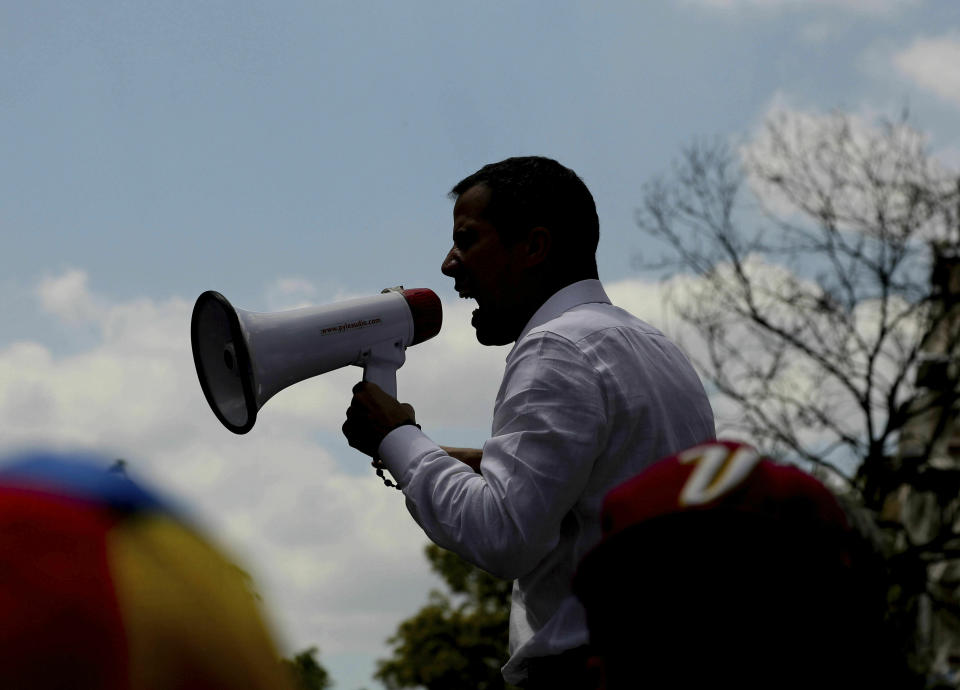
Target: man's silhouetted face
486 270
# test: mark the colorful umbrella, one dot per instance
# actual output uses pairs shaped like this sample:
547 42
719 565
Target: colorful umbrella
105 585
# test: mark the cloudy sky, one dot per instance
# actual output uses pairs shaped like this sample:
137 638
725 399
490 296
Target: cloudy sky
285 153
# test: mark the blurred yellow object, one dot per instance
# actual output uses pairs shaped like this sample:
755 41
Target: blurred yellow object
190 617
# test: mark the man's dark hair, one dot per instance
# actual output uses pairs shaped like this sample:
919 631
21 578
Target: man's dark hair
531 191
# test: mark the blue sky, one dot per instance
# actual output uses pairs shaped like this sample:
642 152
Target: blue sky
293 152
166 148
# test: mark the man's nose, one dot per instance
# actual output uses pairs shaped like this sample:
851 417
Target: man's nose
449 265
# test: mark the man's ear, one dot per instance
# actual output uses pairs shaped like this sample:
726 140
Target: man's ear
538 245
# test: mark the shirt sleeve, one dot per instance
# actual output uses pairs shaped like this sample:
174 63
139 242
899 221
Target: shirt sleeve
549 426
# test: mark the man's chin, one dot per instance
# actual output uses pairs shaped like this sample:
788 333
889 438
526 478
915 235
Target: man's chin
490 331
485 338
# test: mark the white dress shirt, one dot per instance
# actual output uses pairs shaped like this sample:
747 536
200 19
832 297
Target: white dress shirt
590 396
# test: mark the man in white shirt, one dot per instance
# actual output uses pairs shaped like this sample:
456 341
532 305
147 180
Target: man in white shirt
590 396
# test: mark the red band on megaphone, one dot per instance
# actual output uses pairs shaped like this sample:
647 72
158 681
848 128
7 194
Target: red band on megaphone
426 311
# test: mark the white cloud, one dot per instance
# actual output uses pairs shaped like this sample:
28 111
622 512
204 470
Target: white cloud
845 339
336 556
333 551
290 293
68 297
842 156
933 64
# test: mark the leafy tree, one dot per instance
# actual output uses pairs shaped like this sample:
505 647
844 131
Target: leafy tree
459 639
307 672
818 270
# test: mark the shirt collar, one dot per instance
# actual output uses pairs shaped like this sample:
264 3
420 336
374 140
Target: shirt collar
565 299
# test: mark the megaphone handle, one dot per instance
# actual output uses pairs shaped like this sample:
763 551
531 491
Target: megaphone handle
380 364
384 374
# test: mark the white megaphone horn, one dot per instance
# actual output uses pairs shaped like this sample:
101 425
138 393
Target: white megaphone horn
244 358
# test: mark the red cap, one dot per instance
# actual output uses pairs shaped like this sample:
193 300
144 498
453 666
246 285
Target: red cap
426 311
721 475
717 555
710 488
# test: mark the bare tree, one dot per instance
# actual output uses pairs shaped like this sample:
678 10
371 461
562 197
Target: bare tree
817 268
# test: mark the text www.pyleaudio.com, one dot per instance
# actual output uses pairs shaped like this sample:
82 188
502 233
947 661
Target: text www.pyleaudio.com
349 326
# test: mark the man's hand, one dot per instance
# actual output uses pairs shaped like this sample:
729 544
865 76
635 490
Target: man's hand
372 415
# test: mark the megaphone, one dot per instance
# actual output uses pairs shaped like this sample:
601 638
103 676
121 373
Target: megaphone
244 358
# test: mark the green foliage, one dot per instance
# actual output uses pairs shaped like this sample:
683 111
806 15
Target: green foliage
483 591
458 640
307 672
